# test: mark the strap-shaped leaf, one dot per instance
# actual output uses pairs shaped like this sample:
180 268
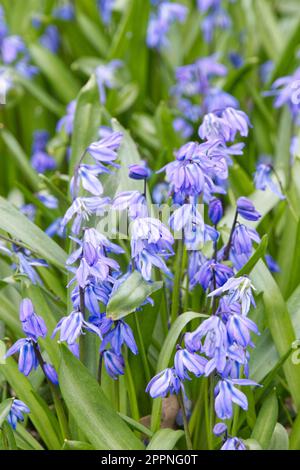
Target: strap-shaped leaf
165 439
130 295
20 227
90 408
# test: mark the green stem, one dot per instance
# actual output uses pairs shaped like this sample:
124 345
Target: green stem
235 421
177 281
134 407
185 421
228 246
142 348
63 423
207 416
82 337
117 395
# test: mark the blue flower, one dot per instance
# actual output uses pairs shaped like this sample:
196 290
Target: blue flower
48 200
163 383
119 335
32 324
133 201
184 128
242 239
71 327
240 290
51 373
212 275
205 5
64 12
94 293
160 23
217 18
233 443
106 77
11 47
81 209
114 364
186 175
186 361
219 429
50 39
105 150
263 179
26 263
105 8
226 394
286 90
272 265
27 356
239 327
67 121
215 344
238 122
160 193
139 172
41 161
146 259
225 125
215 210
246 209
18 407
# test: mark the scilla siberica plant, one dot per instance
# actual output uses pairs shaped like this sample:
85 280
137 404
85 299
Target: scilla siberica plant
219 347
139 192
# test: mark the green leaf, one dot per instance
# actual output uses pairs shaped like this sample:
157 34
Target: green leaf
166 355
266 421
257 255
128 154
236 76
9 436
268 28
130 295
165 439
42 309
93 33
132 423
61 79
27 438
5 408
279 323
40 414
41 95
288 55
252 444
91 409
121 100
280 438
22 229
77 445
20 158
86 121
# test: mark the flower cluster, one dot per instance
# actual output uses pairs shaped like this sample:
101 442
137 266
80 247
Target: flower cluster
161 21
30 356
13 55
96 274
215 18
196 95
219 347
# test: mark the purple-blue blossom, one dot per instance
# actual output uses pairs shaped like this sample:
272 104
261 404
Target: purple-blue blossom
72 326
32 324
18 408
246 209
163 383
